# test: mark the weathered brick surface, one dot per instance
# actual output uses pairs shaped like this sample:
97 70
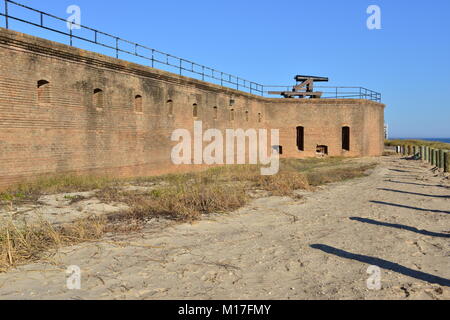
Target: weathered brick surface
59 129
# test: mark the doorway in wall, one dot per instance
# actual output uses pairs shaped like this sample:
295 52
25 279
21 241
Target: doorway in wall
300 138
346 138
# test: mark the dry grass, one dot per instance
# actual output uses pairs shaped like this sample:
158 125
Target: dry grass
29 191
185 197
321 177
21 243
180 203
181 197
431 144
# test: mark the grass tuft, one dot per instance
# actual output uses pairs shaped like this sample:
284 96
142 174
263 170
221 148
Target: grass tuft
21 243
54 184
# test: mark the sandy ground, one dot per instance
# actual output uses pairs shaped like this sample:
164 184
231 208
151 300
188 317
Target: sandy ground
318 247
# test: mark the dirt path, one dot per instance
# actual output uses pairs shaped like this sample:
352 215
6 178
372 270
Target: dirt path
276 248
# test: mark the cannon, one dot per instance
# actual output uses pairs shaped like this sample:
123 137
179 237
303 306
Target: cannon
304 88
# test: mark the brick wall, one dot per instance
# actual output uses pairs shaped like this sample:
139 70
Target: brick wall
64 110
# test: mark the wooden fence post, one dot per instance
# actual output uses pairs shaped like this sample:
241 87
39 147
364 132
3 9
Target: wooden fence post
447 161
441 158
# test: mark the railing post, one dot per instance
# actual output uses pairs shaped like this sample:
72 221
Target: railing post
6 14
153 58
70 32
117 48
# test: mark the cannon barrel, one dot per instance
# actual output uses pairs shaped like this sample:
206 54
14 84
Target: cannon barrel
300 78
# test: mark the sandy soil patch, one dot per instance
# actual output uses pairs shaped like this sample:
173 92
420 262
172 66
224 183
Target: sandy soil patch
317 247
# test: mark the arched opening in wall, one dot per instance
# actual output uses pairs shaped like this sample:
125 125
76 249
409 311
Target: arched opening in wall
215 113
232 115
97 100
170 107
259 117
195 110
138 104
346 138
247 116
301 138
43 92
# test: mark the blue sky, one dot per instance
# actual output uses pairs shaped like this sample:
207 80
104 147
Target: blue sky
269 42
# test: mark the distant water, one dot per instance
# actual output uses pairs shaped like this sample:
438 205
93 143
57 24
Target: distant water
446 140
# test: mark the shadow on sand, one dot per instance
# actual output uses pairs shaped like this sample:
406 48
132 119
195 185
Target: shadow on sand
414 193
418 184
404 171
401 227
402 177
384 264
408 207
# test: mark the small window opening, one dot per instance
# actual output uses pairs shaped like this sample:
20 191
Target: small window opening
246 116
279 149
322 150
170 107
43 92
232 115
138 104
98 98
216 113
259 117
195 110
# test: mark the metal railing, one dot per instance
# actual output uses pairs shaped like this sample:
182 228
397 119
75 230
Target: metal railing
335 92
158 58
